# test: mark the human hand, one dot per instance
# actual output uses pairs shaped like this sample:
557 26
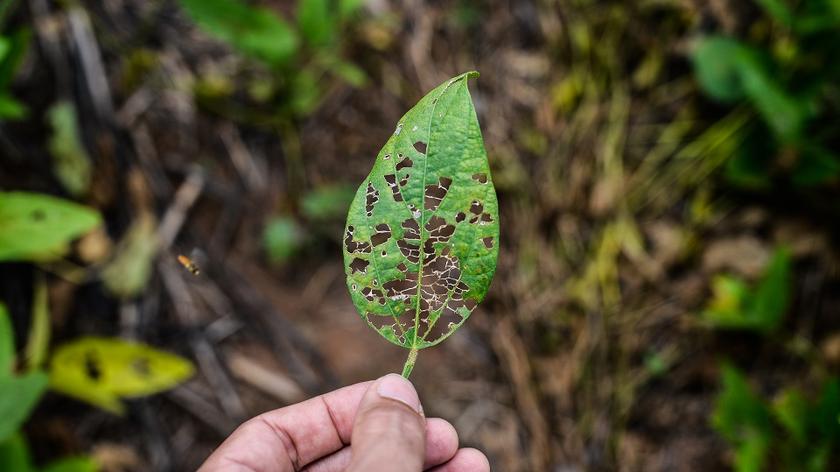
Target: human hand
375 426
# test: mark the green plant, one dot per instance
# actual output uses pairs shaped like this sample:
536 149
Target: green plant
735 306
12 50
802 433
422 232
297 56
790 81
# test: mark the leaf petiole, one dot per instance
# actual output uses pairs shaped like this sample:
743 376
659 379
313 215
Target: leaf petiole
409 363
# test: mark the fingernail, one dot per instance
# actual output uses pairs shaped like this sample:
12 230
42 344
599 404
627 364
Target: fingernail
395 387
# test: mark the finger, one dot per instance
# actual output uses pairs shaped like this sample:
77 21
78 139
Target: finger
389 432
465 460
292 437
441 446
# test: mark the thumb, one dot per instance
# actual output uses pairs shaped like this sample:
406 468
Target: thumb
389 432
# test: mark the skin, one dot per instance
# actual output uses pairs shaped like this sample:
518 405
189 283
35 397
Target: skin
374 426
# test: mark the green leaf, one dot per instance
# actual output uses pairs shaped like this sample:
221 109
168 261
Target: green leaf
427 211
18 396
327 202
282 238
101 371
257 32
7 343
317 21
39 329
70 160
14 454
72 464
792 410
128 273
350 73
817 165
718 63
18 43
11 109
34 226
742 418
778 10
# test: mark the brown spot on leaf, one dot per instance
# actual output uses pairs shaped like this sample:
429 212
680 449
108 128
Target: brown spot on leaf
481 178
420 146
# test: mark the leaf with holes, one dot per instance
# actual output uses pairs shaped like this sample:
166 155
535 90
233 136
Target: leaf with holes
101 371
422 232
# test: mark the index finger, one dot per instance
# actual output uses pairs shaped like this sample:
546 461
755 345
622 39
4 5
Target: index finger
289 438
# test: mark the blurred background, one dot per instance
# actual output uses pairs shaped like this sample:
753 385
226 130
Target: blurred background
667 296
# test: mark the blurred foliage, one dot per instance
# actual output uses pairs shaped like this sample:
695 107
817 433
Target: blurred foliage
327 202
128 272
15 457
101 371
790 78
35 226
298 56
12 50
802 434
734 305
71 163
282 238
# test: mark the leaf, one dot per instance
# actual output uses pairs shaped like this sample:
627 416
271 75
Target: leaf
37 226
742 418
17 45
257 32
18 396
39 330
71 163
11 109
7 343
282 238
72 464
128 273
718 62
101 371
327 202
317 22
426 212
14 454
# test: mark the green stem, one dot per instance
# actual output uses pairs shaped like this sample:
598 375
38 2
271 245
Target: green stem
409 363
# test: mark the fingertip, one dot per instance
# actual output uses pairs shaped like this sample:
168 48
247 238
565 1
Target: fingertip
441 441
466 460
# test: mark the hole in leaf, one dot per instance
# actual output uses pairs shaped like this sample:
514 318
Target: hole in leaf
420 146
354 246
435 193
386 157
141 366
371 198
405 162
358 265
460 217
383 233
92 369
439 232
391 179
481 178
488 242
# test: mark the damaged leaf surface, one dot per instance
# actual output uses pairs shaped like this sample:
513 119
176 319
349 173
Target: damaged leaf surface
421 239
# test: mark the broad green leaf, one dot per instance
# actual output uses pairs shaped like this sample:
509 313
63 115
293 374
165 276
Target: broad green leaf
282 238
101 371
327 202
427 212
7 343
14 454
70 160
718 63
257 32
18 396
11 109
37 226
72 464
